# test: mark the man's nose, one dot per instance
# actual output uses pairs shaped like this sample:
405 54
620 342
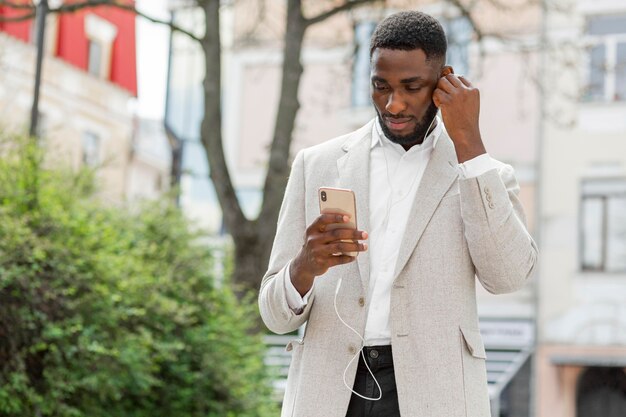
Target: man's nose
395 104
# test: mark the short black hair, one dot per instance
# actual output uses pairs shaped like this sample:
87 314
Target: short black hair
408 31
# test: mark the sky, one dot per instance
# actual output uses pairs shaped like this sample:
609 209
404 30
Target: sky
152 56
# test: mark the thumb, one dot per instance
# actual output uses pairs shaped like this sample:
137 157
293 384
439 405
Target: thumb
436 98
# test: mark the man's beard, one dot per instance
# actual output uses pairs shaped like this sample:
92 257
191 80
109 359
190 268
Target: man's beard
419 133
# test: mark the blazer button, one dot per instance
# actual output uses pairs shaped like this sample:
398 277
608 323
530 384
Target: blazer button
491 205
351 350
361 301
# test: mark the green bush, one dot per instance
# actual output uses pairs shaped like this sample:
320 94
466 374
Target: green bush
108 312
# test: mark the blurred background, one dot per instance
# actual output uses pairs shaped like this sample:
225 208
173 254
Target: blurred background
146 146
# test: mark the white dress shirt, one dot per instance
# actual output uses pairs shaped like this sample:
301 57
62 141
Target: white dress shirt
395 175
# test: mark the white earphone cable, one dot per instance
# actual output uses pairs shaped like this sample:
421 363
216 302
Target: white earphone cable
360 352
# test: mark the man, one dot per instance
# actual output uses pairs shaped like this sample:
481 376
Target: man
436 210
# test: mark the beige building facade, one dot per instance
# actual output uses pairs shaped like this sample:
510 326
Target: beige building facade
84 120
581 355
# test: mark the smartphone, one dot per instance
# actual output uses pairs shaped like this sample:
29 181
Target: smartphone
341 201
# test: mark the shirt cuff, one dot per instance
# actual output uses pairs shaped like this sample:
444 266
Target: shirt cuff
477 166
295 301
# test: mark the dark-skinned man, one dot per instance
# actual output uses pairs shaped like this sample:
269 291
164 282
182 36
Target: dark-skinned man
434 212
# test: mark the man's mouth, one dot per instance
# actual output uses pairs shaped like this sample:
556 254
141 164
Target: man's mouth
397 123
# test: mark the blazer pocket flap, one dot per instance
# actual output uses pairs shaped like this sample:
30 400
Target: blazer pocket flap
474 342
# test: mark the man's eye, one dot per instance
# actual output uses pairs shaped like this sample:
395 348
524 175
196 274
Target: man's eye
414 88
380 87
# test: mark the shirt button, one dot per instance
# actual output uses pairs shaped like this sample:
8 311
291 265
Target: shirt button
373 353
361 301
351 350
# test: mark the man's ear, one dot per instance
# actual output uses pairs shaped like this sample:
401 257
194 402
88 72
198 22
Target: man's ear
447 69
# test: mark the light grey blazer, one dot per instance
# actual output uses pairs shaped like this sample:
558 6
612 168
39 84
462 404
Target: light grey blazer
460 229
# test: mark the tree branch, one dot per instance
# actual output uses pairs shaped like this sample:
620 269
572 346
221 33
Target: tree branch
73 7
26 16
30 7
466 14
502 5
124 5
17 6
342 8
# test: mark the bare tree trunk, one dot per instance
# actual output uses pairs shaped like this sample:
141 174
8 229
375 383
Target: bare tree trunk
248 270
279 164
253 238
211 129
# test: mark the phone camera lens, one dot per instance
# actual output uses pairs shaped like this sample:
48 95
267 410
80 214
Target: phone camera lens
323 195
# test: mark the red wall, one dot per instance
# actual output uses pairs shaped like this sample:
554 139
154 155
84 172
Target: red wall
20 30
72 43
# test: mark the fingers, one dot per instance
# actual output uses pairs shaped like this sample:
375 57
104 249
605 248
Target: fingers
449 87
321 257
445 87
324 220
344 234
451 82
337 241
340 260
329 218
340 229
465 81
325 248
345 247
321 230
440 97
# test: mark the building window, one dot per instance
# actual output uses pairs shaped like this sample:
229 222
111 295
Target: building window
606 37
91 149
101 35
94 66
601 391
361 64
603 225
459 33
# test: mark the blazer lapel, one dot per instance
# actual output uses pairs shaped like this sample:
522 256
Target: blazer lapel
353 170
439 175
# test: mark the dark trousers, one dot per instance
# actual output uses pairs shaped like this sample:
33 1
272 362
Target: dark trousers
380 361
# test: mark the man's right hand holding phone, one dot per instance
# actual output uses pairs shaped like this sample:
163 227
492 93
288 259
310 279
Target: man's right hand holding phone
324 249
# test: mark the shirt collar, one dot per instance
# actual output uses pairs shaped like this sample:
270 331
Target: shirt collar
431 140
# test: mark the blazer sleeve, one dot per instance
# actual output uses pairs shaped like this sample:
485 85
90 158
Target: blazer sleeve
502 250
290 232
